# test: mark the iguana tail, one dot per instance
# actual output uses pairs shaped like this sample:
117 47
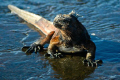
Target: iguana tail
38 21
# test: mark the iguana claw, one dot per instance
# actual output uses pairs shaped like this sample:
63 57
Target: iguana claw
92 63
34 48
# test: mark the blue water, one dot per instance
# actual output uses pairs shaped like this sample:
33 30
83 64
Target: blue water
100 17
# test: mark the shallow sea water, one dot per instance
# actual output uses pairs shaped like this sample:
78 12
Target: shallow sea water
100 17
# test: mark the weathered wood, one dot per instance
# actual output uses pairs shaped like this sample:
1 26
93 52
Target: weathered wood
38 21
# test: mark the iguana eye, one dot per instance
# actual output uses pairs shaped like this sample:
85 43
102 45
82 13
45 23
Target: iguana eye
56 24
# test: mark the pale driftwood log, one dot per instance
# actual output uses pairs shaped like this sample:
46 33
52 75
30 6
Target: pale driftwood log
38 21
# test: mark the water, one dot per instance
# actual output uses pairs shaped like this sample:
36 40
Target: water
100 17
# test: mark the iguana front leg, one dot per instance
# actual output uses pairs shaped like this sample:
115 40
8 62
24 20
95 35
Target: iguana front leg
37 46
53 48
91 48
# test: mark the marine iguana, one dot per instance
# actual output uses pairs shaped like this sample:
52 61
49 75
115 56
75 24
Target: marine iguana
65 35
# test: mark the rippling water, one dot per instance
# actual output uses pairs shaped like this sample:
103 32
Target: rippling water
100 17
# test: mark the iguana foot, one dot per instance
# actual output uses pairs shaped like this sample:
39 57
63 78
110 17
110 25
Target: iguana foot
55 55
34 48
92 63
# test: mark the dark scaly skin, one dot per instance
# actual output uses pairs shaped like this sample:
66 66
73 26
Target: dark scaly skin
72 37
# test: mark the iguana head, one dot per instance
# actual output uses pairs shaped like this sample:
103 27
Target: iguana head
66 21
70 27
